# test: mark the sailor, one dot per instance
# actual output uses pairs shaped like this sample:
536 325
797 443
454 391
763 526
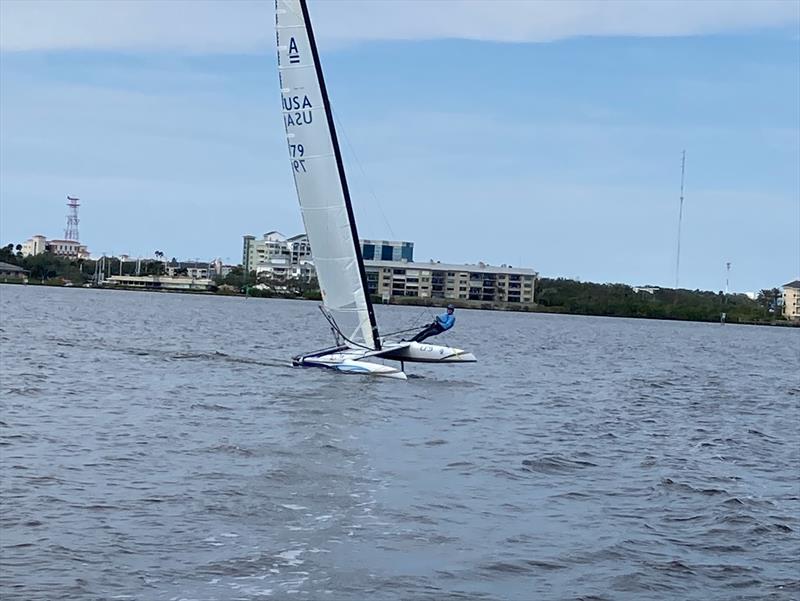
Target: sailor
442 323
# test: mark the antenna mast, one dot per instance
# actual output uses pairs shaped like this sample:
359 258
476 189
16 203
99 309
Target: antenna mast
71 231
680 221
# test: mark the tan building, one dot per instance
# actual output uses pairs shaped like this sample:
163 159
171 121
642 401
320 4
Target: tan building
481 282
38 244
791 300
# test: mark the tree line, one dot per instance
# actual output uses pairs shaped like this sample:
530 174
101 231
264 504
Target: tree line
620 300
557 295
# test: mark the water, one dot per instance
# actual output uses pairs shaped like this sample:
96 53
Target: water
158 446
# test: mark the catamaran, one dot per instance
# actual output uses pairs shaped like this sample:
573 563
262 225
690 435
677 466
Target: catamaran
322 191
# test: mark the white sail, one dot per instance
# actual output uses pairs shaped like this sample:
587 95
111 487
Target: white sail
319 176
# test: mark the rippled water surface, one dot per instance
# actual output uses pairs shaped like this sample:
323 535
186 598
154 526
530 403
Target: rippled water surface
158 446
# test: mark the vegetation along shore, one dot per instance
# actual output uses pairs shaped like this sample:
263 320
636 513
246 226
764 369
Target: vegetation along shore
553 295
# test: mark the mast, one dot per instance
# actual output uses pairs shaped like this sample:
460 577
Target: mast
342 177
680 219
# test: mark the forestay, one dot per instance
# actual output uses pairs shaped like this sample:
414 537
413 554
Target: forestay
319 176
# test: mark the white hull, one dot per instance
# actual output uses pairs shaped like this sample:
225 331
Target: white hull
349 361
420 352
356 360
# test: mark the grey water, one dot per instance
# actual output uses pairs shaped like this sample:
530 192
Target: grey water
160 447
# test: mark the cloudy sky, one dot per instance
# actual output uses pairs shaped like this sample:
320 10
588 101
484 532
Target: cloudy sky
540 134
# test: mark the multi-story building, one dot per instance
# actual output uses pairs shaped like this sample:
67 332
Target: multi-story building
385 250
481 282
36 245
791 300
274 247
391 271
278 257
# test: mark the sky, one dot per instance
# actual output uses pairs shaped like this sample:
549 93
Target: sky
536 134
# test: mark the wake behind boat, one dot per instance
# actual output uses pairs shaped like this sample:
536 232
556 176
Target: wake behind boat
327 211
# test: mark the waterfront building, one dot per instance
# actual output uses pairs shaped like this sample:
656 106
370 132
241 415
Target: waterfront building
391 271
36 245
276 254
481 282
197 269
7 270
280 257
385 250
154 282
791 300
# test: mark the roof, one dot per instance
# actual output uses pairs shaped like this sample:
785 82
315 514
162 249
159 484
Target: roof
482 268
9 267
794 284
386 242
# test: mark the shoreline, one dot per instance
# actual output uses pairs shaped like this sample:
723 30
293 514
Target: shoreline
428 302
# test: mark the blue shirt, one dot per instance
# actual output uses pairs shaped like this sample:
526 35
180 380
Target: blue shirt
446 320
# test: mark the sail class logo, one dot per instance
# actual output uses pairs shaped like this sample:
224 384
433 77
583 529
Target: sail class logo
294 53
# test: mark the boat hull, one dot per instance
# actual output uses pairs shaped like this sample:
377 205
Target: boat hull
348 362
419 352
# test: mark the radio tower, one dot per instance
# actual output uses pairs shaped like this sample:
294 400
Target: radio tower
680 220
71 231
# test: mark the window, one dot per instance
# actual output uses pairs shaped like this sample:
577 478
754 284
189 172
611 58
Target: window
369 252
386 253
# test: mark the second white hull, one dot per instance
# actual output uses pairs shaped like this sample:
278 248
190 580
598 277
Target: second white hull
356 360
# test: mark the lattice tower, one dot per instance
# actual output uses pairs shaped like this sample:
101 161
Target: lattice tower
71 231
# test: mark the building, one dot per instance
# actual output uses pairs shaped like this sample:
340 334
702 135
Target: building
481 282
35 245
791 300
197 269
385 250
154 282
276 254
7 270
38 244
279 256
391 271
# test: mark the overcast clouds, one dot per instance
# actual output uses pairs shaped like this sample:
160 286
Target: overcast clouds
246 25
164 118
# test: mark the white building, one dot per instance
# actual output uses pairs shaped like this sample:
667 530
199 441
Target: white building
278 257
791 300
34 246
38 244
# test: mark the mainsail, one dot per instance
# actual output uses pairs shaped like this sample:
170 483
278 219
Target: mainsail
319 176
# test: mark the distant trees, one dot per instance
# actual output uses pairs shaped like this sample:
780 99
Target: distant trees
768 298
618 300
7 254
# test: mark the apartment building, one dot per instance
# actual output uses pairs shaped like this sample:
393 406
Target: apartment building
279 257
481 282
791 300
